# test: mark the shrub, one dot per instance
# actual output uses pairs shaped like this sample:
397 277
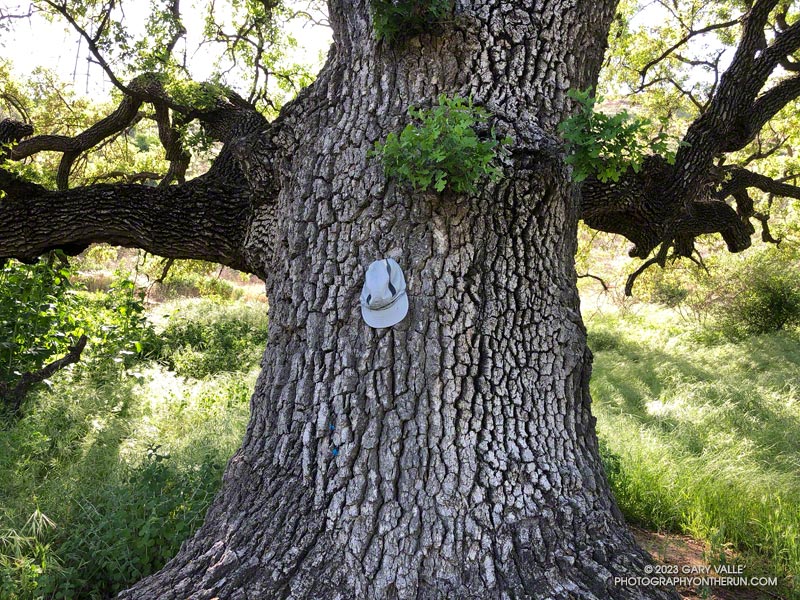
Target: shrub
37 316
131 527
26 557
193 285
394 19
761 295
116 322
209 338
443 148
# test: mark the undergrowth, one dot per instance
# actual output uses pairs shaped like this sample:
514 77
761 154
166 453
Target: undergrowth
114 464
702 440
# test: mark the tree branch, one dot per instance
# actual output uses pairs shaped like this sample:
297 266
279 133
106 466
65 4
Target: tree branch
206 218
596 278
228 117
684 40
763 109
13 397
741 179
61 8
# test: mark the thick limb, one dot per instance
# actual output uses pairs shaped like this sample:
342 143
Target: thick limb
203 219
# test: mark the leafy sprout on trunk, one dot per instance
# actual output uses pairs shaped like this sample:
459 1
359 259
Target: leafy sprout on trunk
606 146
444 148
396 19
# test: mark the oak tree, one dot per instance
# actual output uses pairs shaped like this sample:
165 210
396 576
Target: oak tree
453 455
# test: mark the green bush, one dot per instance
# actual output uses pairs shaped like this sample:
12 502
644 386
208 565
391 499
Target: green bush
131 527
116 323
758 295
41 314
209 338
197 285
25 556
123 463
37 316
394 19
443 149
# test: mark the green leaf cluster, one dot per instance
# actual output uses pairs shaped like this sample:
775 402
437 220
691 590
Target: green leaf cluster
42 313
133 526
37 318
209 338
443 149
395 19
606 146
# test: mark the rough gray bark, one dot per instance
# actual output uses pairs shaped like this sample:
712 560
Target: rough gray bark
453 456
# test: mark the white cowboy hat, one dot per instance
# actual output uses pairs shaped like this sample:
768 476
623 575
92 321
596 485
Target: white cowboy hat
384 301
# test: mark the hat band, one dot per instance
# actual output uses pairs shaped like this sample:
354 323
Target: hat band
382 305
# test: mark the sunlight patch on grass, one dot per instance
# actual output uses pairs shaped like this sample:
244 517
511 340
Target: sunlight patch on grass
702 439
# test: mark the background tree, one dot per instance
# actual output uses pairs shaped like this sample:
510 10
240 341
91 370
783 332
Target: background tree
454 455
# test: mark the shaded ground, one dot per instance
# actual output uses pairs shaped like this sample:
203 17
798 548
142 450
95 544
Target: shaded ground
692 557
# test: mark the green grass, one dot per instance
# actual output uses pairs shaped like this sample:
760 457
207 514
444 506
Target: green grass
206 337
703 439
110 470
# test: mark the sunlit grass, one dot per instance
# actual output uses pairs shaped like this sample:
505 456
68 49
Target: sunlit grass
699 439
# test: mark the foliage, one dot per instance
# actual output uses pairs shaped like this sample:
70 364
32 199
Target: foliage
116 322
395 19
37 316
190 284
205 339
123 462
758 295
737 297
132 526
697 439
606 146
443 149
42 314
53 106
24 557
258 48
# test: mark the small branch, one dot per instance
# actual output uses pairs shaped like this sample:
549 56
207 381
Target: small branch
596 278
761 154
92 43
167 266
660 258
684 40
7 16
14 396
180 30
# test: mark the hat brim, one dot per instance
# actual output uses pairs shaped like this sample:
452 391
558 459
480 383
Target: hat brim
386 317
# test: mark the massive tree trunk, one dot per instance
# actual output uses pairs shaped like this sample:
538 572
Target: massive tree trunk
454 455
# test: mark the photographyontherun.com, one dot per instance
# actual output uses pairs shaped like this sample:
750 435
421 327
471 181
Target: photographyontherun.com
695 581
695 576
